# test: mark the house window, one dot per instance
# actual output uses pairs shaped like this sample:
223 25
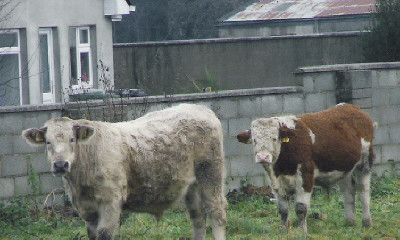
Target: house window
81 58
10 68
47 64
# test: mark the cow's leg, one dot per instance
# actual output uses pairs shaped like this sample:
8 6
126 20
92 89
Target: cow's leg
283 209
91 227
91 222
363 176
348 190
196 212
210 180
109 214
302 205
274 181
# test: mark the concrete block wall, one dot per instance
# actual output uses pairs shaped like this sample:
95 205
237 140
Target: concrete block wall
374 87
16 156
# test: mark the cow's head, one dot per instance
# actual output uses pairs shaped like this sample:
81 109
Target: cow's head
61 137
267 136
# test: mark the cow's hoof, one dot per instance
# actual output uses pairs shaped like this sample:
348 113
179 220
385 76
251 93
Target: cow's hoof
367 222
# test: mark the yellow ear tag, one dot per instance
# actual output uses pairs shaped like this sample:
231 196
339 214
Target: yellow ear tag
85 134
38 139
285 139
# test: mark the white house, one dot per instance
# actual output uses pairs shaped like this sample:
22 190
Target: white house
50 47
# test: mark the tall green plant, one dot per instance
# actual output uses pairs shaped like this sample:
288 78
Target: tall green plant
33 181
381 43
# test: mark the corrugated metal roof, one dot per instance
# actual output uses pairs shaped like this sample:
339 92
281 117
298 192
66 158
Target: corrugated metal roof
297 9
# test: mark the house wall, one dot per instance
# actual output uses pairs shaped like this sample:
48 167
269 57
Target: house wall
29 16
374 87
177 66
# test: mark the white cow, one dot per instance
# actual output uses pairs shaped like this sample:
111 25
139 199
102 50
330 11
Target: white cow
145 165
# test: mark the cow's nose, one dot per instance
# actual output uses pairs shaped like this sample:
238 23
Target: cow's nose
61 166
263 158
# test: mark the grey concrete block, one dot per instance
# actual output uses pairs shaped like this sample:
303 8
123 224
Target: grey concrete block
386 169
7 187
22 188
361 79
260 181
237 125
388 78
13 165
40 163
381 135
10 124
241 167
315 102
394 133
6 143
234 148
48 183
324 81
330 99
293 104
227 109
389 115
380 97
308 83
207 104
378 154
362 93
225 127
363 102
394 96
227 167
390 152
36 119
272 104
249 107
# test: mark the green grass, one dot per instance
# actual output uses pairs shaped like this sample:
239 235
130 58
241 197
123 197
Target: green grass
251 219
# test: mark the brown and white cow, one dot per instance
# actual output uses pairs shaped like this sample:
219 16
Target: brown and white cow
322 149
144 165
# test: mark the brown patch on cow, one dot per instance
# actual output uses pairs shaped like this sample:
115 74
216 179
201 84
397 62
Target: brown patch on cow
338 131
295 150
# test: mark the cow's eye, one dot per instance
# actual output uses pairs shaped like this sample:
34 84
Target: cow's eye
48 143
255 142
72 140
274 139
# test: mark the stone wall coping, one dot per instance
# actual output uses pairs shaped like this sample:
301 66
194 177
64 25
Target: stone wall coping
155 99
232 40
347 67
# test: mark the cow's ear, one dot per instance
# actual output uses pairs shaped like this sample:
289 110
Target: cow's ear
285 134
84 133
35 136
244 137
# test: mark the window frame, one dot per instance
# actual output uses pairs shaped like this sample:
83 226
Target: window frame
83 48
14 51
49 97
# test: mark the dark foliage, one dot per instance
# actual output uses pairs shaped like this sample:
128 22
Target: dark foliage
159 20
381 43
